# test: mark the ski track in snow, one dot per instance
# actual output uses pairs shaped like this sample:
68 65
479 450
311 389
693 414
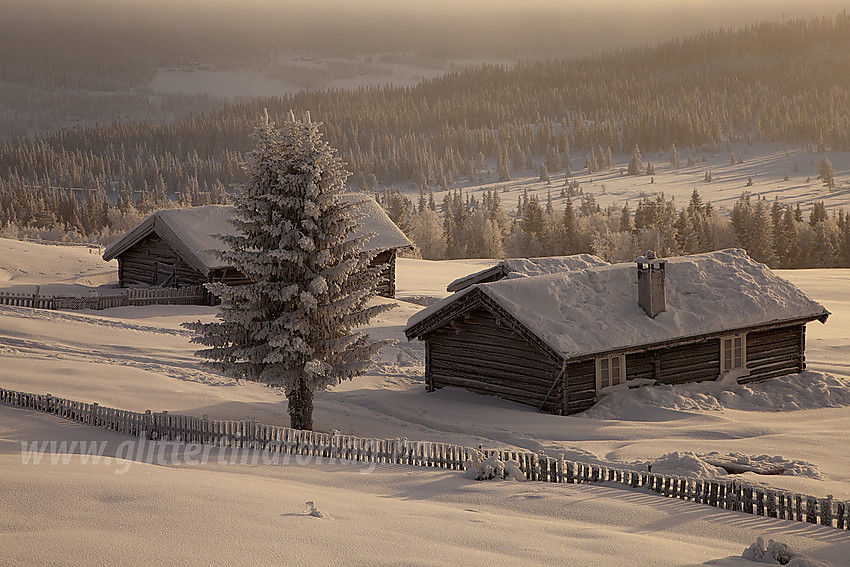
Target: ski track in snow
185 369
182 366
57 316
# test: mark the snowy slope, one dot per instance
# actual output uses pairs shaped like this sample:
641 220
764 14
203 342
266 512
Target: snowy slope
766 164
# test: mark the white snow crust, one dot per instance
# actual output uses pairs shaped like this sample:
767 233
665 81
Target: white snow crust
524 267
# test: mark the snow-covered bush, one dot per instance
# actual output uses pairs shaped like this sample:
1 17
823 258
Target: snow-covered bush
481 468
686 463
778 553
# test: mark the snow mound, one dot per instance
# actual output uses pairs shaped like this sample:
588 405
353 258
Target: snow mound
808 390
490 468
778 553
709 465
686 464
767 462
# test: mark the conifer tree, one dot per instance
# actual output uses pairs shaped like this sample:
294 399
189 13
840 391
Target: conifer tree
292 325
427 233
626 222
826 173
503 165
675 161
635 164
818 213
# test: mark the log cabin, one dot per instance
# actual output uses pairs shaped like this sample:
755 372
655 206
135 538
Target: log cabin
560 342
523 267
177 247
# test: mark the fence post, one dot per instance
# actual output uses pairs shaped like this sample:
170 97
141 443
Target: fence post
811 510
748 499
544 467
826 511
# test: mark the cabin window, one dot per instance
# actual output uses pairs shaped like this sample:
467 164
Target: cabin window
733 352
610 371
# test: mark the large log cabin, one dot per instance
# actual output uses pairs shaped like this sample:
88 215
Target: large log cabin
560 342
176 247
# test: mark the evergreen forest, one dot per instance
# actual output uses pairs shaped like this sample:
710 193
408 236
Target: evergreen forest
784 83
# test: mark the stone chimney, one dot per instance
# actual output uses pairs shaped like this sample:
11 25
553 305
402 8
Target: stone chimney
651 284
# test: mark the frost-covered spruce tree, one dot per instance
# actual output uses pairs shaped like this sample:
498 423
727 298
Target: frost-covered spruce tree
292 326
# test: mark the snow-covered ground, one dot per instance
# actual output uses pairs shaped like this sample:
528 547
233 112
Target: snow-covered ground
180 513
766 164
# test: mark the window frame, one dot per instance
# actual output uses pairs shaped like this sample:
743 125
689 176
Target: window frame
607 360
731 358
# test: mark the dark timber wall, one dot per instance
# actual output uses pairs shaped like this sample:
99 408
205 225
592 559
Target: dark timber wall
153 262
228 276
386 262
770 353
776 352
579 386
479 353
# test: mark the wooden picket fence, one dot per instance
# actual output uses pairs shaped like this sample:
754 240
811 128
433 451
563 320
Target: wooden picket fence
728 494
189 295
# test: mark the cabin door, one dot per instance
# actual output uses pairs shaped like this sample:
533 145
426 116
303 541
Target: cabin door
166 275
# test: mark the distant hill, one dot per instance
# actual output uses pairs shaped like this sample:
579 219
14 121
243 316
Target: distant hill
770 83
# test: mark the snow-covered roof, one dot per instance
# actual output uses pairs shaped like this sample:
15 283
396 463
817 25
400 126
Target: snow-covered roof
524 267
595 310
191 231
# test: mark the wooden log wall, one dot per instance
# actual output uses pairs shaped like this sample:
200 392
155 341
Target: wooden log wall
140 264
724 493
770 353
478 352
386 262
152 260
579 386
776 352
228 276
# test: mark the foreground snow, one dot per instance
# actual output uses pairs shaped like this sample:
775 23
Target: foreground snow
140 358
83 514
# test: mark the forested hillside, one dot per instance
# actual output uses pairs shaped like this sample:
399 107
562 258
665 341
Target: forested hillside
782 83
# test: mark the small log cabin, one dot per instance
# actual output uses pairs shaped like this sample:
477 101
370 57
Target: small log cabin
560 342
522 267
176 247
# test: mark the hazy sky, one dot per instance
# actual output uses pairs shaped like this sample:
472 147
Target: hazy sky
592 25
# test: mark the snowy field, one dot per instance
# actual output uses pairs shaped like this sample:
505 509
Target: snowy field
766 164
139 358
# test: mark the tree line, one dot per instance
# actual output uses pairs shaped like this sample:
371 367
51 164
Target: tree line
775 233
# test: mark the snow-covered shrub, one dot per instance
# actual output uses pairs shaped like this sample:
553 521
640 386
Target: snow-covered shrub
778 553
481 468
687 464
